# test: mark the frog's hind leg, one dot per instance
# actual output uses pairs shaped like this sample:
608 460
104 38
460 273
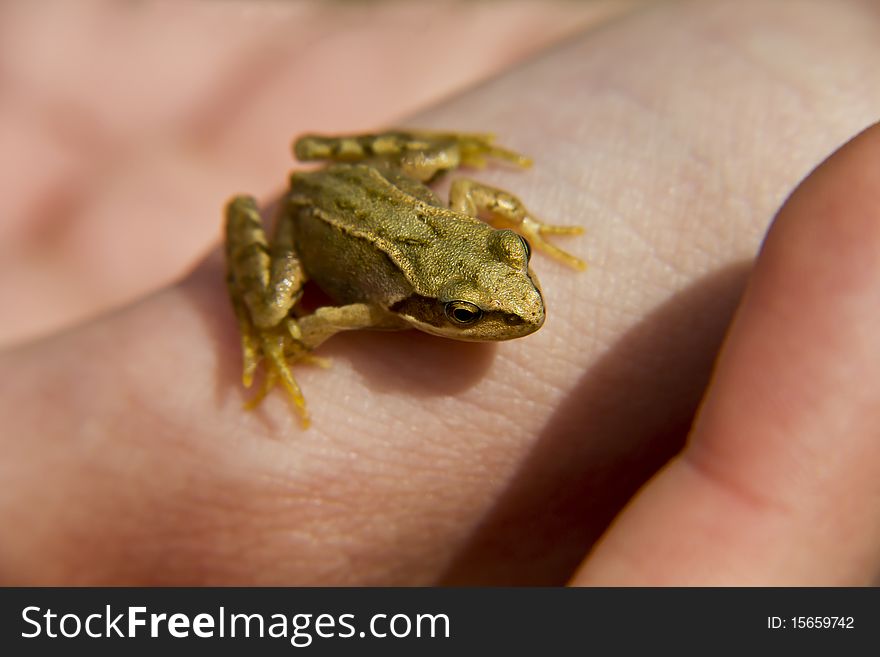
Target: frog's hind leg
504 210
250 345
268 278
265 282
419 154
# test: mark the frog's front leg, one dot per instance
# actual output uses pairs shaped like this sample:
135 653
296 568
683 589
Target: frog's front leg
504 210
327 321
310 331
420 154
265 281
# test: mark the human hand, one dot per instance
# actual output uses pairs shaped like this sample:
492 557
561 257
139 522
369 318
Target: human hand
128 457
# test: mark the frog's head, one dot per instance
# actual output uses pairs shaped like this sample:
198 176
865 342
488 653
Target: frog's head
499 298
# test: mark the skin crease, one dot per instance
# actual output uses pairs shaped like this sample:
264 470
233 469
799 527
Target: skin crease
128 459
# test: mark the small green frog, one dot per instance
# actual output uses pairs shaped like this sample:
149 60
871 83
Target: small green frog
374 237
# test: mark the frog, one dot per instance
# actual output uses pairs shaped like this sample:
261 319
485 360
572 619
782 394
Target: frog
368 230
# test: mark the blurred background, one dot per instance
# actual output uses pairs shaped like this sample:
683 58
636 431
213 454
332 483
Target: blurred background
126 125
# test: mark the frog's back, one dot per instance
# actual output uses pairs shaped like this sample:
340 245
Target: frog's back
363 197
352 215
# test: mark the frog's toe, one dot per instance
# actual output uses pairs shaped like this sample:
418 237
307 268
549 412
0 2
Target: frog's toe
476 149
551 229
272 378
277 365
268 383
251 359
534 231
318 361
273 347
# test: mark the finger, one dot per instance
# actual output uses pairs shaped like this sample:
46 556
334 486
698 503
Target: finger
780 483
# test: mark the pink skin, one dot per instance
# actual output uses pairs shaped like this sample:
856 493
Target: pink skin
127 457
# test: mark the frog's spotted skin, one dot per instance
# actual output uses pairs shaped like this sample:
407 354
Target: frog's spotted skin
369 232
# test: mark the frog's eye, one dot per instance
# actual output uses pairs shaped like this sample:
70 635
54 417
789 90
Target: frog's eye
526 247
462 312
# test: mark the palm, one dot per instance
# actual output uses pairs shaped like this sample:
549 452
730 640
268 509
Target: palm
429 460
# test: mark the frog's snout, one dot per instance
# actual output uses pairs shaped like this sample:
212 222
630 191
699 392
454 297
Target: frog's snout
526 321
536 319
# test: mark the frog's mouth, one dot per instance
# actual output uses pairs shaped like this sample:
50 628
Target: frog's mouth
505 326
430 316
492 327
